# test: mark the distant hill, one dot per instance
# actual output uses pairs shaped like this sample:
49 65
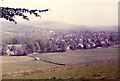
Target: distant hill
37 27
33 28
27 26
102 28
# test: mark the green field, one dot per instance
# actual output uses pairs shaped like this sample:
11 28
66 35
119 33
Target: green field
78 56
21 64
90 72
26 63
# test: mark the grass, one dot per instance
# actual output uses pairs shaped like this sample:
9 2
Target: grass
15 64
13 59
78 56
22 65
77 72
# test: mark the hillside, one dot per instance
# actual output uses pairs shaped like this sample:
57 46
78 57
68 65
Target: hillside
36 28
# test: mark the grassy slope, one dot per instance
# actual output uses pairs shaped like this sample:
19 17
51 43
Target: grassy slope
77 72
12 59
22 65
77 56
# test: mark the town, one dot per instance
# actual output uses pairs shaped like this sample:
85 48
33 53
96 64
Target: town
54 41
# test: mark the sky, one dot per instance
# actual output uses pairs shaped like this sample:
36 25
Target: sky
79 12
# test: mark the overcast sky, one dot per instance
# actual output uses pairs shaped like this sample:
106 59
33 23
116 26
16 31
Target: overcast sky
80 12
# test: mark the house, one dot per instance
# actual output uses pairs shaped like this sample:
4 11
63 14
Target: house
14 49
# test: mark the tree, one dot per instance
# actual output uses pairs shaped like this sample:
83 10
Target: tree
21 51
29 48
4 48
36 45
10 13
15 41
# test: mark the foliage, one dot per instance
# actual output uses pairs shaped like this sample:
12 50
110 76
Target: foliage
15 41
36 45
10 13
29 48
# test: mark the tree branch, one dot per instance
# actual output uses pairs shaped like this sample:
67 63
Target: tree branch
10 13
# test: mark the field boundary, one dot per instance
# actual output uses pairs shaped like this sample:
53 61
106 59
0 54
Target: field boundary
47 61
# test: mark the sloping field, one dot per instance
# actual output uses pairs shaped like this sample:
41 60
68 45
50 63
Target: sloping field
22 63
79 56
26 63
12 59
78 72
